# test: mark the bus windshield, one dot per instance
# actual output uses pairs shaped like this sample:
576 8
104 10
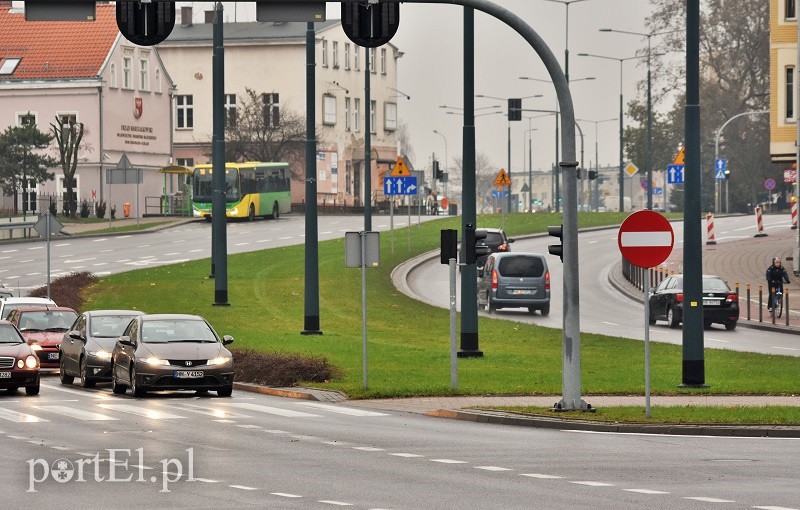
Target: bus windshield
201 185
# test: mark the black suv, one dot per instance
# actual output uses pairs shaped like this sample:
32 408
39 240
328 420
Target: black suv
497 242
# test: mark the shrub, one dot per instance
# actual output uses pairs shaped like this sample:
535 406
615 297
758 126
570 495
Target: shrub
281 369
53 208
84 208
67 290
113 212
100 209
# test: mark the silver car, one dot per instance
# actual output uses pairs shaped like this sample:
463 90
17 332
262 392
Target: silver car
515 280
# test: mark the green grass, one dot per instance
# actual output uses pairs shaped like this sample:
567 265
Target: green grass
766 415
67 220
126 228
409 341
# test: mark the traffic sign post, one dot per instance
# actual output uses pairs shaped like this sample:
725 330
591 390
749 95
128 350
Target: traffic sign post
363 250
646 239
503 181
46 227
400 182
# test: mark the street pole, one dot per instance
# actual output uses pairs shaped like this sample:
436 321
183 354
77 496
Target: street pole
367 147
649 127
693 373
530 167
469 273
647 343
48 251
311 296
556 169
364 304
796 251
508 205
453 327
218 212
621 143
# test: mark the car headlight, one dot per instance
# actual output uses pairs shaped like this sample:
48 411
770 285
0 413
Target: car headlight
20 363
235 211
218 361
100 354
36 347
31 362
155 361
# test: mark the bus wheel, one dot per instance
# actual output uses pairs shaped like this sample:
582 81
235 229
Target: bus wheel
252 214
276 212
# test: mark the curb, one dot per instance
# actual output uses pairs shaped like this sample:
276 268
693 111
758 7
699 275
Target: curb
298 393
89 234
506 418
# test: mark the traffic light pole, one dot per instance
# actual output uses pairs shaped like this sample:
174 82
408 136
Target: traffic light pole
218 209
311 296
367 147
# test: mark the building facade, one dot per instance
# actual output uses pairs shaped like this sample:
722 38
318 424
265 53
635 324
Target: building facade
783 79
269 59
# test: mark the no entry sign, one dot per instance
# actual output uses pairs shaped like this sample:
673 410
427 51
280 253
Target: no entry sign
646 239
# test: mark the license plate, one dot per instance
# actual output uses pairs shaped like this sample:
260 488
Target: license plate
52 355
197 374
521 292
5 375
712 302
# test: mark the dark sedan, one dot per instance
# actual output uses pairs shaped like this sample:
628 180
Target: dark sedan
720 303
496 240
19 365
86 348
171 352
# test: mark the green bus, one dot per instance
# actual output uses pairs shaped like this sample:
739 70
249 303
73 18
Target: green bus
251 190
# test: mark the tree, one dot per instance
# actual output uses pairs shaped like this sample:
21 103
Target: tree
68 136
259 133
21 159
485 173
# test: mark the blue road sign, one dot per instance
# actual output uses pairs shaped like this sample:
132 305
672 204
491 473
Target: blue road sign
658 191
499 194
400 186
770 184
675 174
720 165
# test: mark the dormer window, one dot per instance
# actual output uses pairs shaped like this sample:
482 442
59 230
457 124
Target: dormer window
8 66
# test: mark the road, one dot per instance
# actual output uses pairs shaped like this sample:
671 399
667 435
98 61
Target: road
605 310
257 451
23 265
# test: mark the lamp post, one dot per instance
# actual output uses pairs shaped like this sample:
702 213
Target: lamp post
445 158
716 145
566 4
529 134
596 158
649 36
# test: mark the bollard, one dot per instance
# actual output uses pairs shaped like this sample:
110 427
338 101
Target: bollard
748 301
760 303
760 223
710 231
794 214
772 293
786 305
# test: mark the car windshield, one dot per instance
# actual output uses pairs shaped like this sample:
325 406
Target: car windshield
47 320
9 335
492 238
8 308
109 326
177 330
521 267
714 285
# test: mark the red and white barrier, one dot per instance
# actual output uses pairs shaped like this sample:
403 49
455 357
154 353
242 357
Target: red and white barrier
760 220
710 229
794 215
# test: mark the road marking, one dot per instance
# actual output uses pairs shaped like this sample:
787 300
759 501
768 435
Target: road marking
368 449
341 410
273 431
123 261
285 495
4 258
37 248
493 468
249 426
264 241
241 244
721 341
325 233
406 455
774 508
273 410
243 487
24 261
594 484
16 416
61 448
786 348
171 254
62 244
541 476
224 421
610 323
448 461
205 480
711 500
178 241
334 503
85 393
143 246
196 251
99 240
645 491
124 237
33 274
216 413
100 264
153 414
76 413
79 260
8 251
593 242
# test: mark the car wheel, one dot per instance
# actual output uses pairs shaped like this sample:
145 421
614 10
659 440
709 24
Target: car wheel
651 319
62 373
545 309
672 319
730 325
32 390
252 214
490 308
116 387
86 380
135 389
227 391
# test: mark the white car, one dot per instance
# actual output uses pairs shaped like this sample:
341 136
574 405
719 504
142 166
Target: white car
12 303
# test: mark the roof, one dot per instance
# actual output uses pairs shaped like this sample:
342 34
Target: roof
171 317
244 32
55 49
104 313
28 300
45 309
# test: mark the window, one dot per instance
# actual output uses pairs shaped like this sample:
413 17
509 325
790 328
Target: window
357 115
347 114
390 117
383 60
272 110
347 56
357 56
790 78
324 53
791 9
185 107
157 78
372 60
144 75
126 73
26 119
187 162
67 117
61 190
29 195
9 65
329 110
373 116
230 110
112 76
336 54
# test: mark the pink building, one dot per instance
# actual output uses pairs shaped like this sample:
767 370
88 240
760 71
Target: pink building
87 72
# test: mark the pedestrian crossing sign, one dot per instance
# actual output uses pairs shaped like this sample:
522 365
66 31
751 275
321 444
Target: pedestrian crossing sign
680 159
400 168
502 178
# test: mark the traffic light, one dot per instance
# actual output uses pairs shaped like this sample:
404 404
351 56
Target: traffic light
470 245
145 24
449 246
514 109
370 25
437 171
556 249
727 174
592 175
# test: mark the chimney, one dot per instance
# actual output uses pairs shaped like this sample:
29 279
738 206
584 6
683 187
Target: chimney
186 16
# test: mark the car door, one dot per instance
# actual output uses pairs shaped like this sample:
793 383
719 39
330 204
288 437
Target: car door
78 347
484 281
67 347
657 308
125 354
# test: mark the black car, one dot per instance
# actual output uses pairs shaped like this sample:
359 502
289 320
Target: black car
720 303
496 240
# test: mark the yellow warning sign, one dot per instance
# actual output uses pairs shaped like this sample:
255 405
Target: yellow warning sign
502 178
400 169
631 169
680 159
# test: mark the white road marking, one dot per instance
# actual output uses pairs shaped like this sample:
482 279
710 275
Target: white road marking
243 487
205 480
285 495
33 274
406 455
241 244
37 248
594 484
16 416
171 254
368 449
124 237
786 348
711 500
153 414
273 431
249 426
264 241
645 491
610 323
448 461
99 240
196 251
215 412
720 341
224 421
325 233
61 448
541 476
592 242
8 251
62 244
4 258
123 261
341 410
24 261
492 468
79 260
774 508
334 503
76 413
100 264
273 410
143 246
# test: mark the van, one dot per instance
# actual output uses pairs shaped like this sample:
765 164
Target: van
515 280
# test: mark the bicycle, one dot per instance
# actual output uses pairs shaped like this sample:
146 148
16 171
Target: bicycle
777 304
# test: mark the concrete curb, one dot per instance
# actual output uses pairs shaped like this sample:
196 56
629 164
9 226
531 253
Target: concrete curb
90 235
518 419
298 393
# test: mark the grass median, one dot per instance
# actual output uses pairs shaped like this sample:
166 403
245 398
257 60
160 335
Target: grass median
409 341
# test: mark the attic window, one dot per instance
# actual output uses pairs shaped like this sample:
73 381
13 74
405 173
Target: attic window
9 66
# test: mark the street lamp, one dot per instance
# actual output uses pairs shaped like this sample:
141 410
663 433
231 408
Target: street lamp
446 160
566 4
446 107
716 156
649 36
529 133
596 161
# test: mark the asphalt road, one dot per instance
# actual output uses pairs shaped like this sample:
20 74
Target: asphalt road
23 266
605 310
255 451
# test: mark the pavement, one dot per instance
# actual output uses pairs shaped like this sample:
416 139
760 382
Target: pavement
88 228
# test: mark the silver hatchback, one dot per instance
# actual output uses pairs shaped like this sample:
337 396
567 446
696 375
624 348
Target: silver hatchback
515 280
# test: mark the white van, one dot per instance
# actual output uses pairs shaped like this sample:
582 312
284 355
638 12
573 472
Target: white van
12 303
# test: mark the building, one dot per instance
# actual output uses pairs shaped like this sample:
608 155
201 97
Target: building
269 59
89 74
783 79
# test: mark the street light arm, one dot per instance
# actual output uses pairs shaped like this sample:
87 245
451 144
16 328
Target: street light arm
722 128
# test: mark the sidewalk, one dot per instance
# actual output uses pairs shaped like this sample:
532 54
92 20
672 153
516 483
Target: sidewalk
88 228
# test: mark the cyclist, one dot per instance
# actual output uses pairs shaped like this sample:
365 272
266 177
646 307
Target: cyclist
776 276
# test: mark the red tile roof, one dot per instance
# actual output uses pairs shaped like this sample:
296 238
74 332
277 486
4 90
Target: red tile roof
56 49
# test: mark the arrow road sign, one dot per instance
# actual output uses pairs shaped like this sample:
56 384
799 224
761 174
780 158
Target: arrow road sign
646 239
675 174
657 191
400 186
499 194
720 165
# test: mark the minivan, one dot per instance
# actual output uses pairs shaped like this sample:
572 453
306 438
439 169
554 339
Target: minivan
515 280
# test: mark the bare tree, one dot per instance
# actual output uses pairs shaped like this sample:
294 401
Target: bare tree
404 137
68 136
485 173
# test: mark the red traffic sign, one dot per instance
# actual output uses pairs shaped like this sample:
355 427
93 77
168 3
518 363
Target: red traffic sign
646 239
770 184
